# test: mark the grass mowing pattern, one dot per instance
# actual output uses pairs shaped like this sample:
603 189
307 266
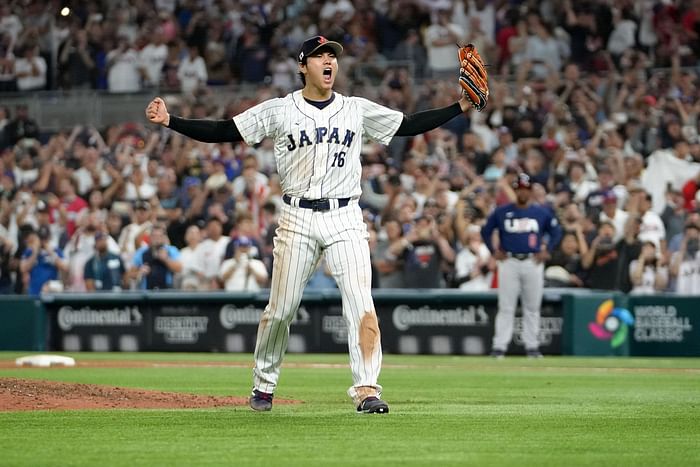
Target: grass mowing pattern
444 411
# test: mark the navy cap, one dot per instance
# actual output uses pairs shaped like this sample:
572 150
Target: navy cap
244 241
313 44
609 197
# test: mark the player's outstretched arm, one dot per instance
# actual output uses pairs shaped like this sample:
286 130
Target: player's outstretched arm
420 122
208 131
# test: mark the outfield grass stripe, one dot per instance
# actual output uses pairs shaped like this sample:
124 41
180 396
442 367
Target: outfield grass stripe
444 411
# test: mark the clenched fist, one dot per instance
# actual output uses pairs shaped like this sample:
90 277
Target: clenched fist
156 112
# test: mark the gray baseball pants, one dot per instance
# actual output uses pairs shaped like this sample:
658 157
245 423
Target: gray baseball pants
524 279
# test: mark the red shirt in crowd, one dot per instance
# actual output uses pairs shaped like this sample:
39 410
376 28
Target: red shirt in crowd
73 209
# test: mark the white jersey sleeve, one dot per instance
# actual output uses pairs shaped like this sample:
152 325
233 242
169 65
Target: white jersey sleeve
259 121
378 122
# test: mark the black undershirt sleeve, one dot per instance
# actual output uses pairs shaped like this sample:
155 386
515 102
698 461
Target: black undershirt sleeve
420 122
207 131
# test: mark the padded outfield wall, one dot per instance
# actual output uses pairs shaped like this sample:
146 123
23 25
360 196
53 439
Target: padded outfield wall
574 322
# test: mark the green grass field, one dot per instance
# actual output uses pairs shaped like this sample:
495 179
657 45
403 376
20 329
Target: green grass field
558 411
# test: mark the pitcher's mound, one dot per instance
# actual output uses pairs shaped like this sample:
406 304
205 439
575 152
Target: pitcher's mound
27 394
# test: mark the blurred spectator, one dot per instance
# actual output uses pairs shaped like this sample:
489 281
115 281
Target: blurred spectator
7 263
647 273
389 268
156 264
245 227
78 250
611 213
4 120
542 53
216 53
652 227
250 189
137 187
473 265
578 181
210 253
192 71
422 251
623 35
685 263
337 8
602 260
41 264
8 79
564 268
169 79
243 272
31 70
690 190
629 249
191 277
674 214
77 60
72 207
136 234
104 271
411 49
123 73
440 38
152 58
21 127
10 23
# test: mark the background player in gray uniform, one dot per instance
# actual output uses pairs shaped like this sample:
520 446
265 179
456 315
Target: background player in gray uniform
318 137
521 253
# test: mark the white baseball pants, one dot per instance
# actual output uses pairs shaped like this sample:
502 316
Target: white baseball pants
302 237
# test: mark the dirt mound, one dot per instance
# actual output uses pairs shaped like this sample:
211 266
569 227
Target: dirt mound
28 394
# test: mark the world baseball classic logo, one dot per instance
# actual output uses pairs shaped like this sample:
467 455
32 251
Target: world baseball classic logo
611 324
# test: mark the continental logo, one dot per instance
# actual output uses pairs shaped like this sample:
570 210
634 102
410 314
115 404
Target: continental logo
232 316
68 317
405 317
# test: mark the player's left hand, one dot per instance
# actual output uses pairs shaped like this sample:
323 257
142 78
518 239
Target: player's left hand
157 112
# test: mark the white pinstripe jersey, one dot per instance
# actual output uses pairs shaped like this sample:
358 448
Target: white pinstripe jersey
318 151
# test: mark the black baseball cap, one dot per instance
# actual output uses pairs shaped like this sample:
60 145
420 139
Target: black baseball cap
313 44
523 181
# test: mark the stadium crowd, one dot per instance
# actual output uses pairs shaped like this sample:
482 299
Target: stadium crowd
596 100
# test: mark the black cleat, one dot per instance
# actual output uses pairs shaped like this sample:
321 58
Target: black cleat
498 354
261 401
373 404
533 353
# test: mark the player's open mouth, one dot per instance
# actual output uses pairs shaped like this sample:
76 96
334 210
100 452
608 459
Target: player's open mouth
327 74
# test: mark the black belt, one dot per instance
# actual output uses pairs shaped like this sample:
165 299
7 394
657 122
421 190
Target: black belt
323 204
521 256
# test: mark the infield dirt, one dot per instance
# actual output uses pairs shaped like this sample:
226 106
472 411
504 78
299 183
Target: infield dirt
23 394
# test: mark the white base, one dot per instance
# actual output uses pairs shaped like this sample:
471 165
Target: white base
45 361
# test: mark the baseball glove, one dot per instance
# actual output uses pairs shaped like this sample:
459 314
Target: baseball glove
473 77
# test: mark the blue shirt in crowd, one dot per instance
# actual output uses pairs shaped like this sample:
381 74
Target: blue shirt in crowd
43 271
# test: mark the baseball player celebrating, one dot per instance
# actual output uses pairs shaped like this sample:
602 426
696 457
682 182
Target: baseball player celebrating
521 253
317 136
